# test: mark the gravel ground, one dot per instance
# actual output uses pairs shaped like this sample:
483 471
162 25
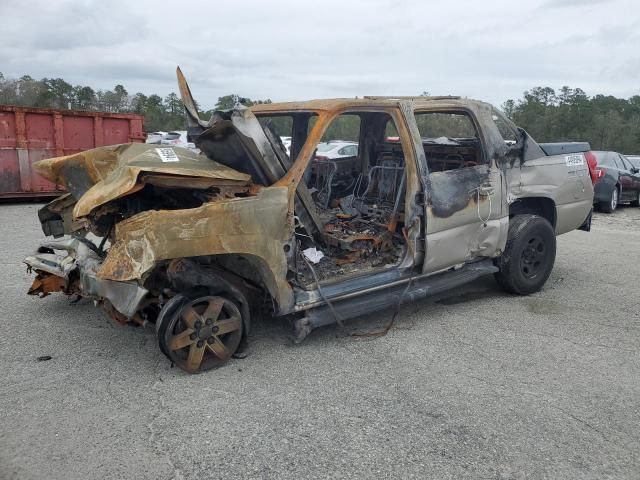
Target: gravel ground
475 384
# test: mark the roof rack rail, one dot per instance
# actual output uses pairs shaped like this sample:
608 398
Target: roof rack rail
411 97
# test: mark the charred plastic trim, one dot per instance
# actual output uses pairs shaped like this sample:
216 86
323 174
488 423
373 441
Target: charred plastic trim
453 190
81 260
369 300
55 217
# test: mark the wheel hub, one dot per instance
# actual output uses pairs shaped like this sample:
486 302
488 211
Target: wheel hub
204 333
532 257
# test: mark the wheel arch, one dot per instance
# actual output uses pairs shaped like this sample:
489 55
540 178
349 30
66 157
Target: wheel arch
542 206
193 276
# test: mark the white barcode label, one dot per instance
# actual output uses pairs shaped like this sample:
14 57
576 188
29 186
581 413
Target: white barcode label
167 155
574 160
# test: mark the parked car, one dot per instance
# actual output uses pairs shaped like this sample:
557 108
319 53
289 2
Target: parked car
617 181
178 139
634 160
336 149
199 244
155 138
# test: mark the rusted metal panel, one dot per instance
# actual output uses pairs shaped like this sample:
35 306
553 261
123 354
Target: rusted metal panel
9 165
86 172
28 135
258 227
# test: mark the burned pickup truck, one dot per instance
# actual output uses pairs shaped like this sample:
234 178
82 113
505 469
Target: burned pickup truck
439 191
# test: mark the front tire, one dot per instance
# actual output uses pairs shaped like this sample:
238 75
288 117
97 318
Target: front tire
529 255
611 205
636 202
200 334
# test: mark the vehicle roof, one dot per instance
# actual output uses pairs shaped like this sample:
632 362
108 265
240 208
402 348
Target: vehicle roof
368 101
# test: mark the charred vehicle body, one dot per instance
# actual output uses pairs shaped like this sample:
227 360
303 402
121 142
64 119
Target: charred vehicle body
440 191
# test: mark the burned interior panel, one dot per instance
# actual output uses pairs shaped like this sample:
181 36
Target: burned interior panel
358 179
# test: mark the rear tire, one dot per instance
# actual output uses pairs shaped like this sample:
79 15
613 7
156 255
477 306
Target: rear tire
611 205
529 255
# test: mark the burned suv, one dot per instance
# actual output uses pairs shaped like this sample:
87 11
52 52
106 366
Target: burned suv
439 191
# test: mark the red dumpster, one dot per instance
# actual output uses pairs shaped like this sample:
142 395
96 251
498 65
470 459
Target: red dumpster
31 134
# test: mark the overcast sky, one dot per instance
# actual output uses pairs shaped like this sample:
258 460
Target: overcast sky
486 49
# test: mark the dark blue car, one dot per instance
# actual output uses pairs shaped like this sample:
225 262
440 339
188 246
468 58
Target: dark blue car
617 181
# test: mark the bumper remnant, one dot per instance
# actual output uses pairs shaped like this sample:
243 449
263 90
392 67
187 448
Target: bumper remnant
69 265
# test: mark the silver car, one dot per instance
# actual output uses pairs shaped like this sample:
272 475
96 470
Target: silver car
336 149
155 138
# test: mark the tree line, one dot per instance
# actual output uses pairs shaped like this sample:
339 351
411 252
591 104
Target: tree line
568 114
160 113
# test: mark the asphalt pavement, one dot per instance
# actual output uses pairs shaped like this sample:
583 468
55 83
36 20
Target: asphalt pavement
473 384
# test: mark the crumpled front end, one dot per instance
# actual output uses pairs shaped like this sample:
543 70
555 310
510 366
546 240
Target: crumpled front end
69 265
132 209
108 186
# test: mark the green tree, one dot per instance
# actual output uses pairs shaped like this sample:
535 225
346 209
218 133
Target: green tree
84 98
565 114
154 114
508 107
138 103
30 91
58 94
606 122
8 91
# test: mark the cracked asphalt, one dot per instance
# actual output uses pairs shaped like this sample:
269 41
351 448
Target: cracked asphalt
473 384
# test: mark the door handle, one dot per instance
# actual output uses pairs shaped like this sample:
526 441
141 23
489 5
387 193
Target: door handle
486 189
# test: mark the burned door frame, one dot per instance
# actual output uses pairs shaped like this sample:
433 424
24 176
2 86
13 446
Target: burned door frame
414 213
414 254
465 209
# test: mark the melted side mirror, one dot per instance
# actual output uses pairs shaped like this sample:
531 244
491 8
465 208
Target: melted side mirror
515 149
530 148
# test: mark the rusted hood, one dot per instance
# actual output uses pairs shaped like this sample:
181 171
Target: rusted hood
95 177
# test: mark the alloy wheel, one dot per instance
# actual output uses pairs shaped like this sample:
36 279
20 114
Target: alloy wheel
204 333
